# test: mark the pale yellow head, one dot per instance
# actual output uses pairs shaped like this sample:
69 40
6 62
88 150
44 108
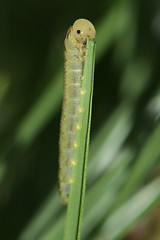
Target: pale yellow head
83 28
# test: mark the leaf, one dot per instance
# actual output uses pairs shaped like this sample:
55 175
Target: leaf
77 189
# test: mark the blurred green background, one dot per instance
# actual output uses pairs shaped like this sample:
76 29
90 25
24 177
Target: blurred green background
125 135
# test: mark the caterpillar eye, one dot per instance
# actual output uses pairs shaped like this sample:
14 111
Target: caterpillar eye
78 31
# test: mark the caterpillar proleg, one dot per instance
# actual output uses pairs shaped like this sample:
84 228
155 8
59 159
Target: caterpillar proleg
74 59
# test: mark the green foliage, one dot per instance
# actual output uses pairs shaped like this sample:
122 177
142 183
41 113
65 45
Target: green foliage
123 167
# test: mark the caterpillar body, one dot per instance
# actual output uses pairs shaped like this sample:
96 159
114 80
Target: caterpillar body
74 58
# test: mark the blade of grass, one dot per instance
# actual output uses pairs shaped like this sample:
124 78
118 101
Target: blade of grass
145 161
111 181
109 140
118 224
77 189
47 214
103 192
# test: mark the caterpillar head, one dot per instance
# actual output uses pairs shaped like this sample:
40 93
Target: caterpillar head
83 28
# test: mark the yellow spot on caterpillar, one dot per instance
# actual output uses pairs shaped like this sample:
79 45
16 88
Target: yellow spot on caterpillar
78 127
81 109
83 92
76 145
74 163
71 180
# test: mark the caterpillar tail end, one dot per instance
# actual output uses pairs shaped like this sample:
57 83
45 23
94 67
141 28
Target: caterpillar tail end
64 193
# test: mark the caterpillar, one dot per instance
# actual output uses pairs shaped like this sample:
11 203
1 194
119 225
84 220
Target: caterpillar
74 59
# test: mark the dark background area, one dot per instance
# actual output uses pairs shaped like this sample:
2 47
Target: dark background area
31 54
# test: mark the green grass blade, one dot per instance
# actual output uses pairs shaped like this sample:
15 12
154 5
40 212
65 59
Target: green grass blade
144 163
48 212
109 140
118 224
95 198
77 189
102 193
